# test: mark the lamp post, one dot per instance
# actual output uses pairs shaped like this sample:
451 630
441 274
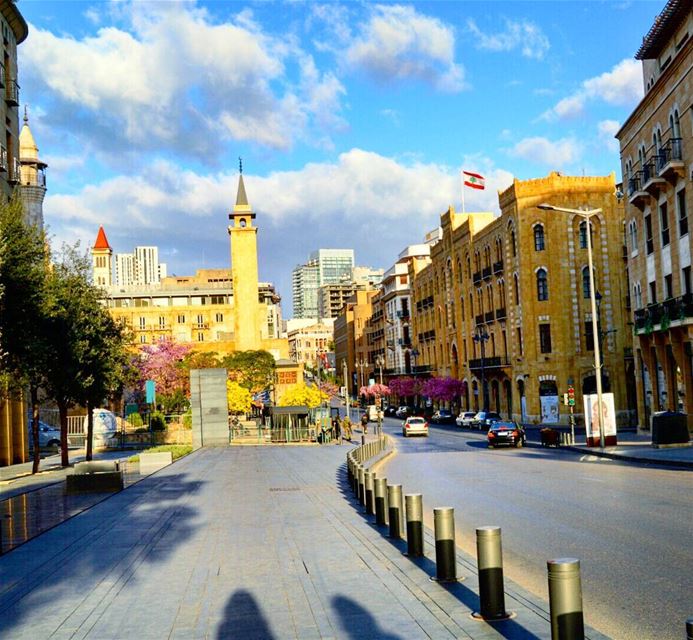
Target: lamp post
345 373
587 215
379 362
481 337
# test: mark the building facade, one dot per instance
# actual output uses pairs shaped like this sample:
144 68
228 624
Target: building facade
140 267
324 266
657 163
309 344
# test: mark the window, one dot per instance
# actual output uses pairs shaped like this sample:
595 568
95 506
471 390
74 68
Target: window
545 338
519 340
143 322
633 230
582 235
586 282
686 280
516 282
589 336
542 285
143 338
162 322
637 295
200 336
664 223
649 243
668 287
653 292
200 320
682 213
539 244
181 318
513 242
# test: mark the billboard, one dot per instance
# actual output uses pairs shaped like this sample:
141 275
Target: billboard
592 409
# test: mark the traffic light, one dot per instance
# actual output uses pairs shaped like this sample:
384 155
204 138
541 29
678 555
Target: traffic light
571 396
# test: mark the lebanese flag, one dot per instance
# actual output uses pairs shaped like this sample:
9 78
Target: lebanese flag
474 180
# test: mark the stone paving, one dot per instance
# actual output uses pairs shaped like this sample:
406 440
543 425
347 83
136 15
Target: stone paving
242 542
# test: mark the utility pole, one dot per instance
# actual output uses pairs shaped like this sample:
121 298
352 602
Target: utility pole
345 373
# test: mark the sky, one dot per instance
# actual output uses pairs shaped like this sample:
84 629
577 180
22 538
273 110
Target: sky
353 119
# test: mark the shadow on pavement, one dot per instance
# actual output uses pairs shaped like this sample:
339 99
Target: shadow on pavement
143 524
243 619
510 629
357 622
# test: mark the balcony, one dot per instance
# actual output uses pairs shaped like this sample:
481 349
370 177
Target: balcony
492 362
651 181
500 313
403 314
3 159
479 319
662 314
489 316
486 273
15 174
12 93
498 267
404 342
671 166
476 277
422 369
637 196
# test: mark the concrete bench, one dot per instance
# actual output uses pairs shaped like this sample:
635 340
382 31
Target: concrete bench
151 462
94 477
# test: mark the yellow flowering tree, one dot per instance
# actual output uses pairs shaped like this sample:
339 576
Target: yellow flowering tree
238 397
301 395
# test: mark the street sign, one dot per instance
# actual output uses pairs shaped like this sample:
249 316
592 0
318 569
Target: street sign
150 391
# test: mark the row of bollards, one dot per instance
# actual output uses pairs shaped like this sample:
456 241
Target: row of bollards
385 502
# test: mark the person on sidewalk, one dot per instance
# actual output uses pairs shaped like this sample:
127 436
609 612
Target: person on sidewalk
337 428
364 423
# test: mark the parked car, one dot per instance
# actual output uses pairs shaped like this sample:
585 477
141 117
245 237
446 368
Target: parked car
404 411
390 410
506 432
414 425
484 419
443 416
465 418
49 436
373 413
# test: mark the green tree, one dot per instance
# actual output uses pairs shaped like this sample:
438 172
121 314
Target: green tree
253 370
24 259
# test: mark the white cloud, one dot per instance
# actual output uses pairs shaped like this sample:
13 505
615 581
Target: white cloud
552 153
171 72
606 130
622 86
523 35
398 43
366 196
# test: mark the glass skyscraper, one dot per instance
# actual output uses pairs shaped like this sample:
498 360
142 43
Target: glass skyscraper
324 266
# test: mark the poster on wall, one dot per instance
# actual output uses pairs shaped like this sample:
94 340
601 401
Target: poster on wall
549 409
592 408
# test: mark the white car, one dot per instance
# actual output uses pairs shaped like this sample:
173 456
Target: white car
414 426
465 418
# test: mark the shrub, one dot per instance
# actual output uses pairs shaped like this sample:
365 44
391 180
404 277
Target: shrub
157 421
135 419
142 430
177 451
187 419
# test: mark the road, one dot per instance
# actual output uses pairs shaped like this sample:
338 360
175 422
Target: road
630 526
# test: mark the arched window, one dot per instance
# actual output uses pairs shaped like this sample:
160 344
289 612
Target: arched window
542 285
539 244
516 282
513 241
633 230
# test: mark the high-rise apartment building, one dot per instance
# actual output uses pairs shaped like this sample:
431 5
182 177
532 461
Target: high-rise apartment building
324 266
140 267
657 163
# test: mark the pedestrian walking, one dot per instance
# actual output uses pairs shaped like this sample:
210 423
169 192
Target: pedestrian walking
364 423
337 427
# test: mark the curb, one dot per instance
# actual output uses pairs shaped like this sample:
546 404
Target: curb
684 464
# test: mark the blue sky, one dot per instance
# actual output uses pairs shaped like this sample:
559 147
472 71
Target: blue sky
353 119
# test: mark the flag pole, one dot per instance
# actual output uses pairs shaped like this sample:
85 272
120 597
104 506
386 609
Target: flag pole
462 184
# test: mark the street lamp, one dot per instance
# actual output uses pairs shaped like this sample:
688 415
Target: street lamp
587 215
379 362
481 337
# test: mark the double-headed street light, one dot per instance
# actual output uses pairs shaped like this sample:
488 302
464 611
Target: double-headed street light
587 215
481 337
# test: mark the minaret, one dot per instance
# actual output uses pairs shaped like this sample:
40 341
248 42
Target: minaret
102 260
244 272
33 176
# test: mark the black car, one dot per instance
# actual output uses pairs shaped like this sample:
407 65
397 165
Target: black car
484 419
443 416
404 412
506 432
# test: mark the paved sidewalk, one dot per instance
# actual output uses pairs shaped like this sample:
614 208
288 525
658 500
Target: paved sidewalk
247 542
631 447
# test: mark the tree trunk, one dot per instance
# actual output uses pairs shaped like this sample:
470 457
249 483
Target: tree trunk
64 456
33 391
90 431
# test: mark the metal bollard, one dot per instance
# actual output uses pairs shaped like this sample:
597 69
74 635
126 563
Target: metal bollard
413 503
444 528
689 628
395 510
355 480
380 492
565 599
362 489
490 565
369 476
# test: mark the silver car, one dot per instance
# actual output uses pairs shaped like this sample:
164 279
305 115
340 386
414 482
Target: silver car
465 418
49 436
